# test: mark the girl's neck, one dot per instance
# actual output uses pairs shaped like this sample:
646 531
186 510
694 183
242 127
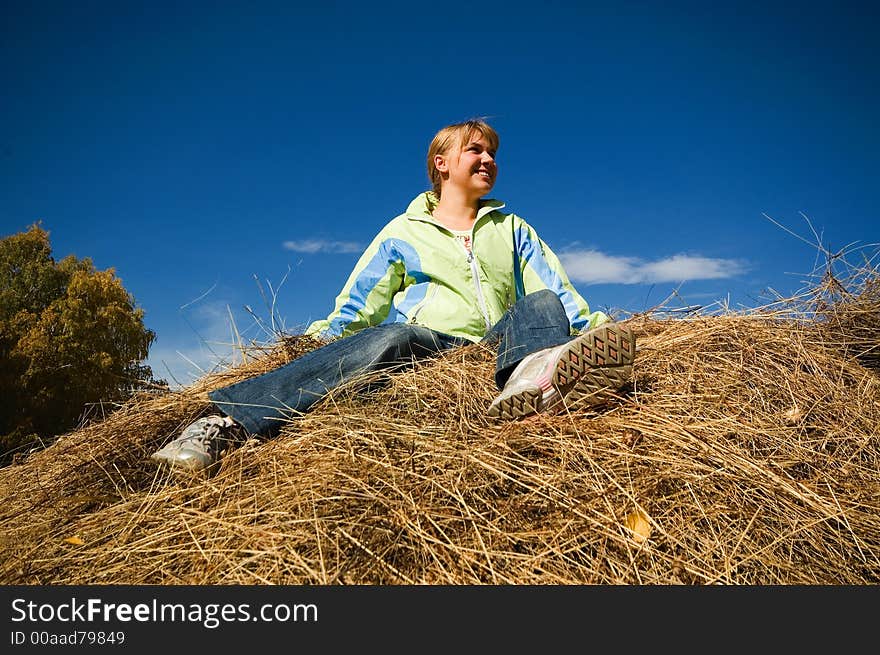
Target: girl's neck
455 211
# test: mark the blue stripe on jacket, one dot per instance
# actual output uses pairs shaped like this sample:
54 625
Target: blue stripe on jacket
530 252
389 253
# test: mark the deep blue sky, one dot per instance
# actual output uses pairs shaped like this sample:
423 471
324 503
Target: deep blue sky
199 147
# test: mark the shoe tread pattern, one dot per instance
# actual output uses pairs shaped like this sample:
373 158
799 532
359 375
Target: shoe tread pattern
518 405
597 386
594 363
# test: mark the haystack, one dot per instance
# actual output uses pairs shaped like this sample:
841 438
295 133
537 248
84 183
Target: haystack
745 452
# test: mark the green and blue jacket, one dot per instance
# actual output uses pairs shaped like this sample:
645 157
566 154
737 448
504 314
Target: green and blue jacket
416 271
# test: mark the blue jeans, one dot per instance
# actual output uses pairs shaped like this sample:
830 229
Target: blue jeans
262 403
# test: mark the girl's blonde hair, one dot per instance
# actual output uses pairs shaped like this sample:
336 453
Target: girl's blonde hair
458 134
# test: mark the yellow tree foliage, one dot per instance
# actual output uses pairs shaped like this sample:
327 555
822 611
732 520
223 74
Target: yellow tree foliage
70 336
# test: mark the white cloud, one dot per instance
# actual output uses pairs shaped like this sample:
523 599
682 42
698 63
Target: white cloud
312 246
595 267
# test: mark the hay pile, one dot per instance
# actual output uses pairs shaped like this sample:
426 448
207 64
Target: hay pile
746 451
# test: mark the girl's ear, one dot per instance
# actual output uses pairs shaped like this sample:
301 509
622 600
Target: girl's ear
440 163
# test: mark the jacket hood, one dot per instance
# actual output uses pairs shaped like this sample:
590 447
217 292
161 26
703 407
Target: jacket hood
423 204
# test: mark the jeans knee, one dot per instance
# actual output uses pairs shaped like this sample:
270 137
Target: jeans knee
392 331
400 333
545 301
400 340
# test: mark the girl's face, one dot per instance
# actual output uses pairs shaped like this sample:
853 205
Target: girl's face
471 168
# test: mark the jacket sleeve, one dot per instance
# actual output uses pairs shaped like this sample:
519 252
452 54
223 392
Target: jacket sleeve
366 298
540 268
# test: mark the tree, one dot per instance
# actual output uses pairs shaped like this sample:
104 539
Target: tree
70 336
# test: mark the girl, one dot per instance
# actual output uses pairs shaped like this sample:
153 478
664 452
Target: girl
451 270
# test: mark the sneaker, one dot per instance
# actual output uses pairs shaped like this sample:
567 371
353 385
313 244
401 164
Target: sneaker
583 369
200 445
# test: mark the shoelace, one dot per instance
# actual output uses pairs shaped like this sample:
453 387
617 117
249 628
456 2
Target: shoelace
206 441
206 438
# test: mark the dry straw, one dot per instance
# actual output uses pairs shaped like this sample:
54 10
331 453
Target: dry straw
746 452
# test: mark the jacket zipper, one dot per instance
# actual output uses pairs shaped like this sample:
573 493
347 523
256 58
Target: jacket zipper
476 275
427 300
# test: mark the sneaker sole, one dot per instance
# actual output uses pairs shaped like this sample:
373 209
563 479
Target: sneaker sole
592 364
518 405
595 363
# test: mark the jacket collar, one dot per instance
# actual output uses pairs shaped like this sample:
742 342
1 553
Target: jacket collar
420 207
